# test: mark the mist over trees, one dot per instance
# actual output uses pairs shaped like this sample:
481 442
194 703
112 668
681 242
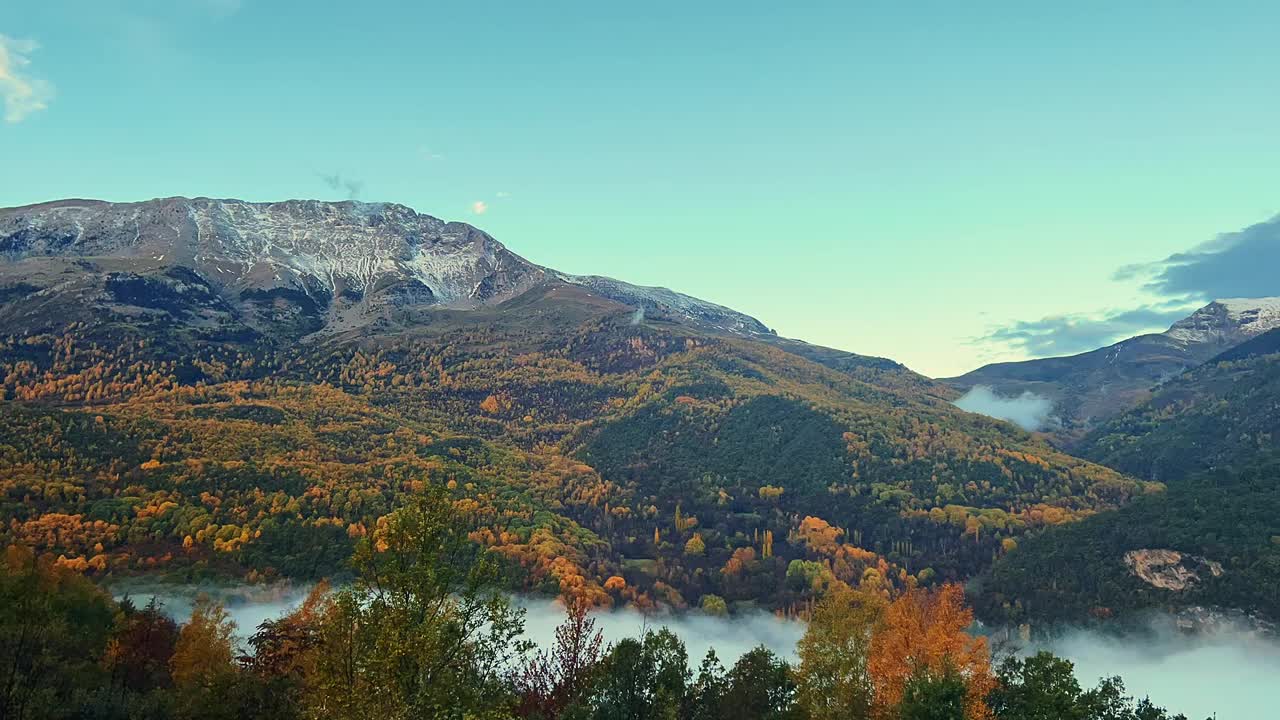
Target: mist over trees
426 631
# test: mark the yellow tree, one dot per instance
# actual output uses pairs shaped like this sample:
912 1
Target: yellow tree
832 679
203 654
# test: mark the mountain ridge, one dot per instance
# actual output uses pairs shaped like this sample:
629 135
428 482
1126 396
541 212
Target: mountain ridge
349 253
1098 384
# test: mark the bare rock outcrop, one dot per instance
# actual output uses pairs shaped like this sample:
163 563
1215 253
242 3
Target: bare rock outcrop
1170 569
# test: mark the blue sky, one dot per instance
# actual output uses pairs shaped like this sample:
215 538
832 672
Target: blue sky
941 183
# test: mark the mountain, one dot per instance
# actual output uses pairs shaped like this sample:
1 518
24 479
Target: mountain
211 388
1222 414
1096 385
1210 540
293 268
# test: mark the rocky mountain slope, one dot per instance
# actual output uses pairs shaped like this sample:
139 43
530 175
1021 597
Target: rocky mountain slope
1096 385
291 268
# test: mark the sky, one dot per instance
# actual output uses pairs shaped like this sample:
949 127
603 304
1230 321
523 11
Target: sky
946 184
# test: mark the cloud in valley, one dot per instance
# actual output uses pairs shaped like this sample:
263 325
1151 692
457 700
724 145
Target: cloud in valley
221 8
1228 671
1028 411
250 605
23 93
1236 264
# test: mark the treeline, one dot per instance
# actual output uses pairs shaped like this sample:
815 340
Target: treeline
424 631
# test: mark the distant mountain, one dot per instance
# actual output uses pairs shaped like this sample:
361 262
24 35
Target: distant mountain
220 387
1211 540
1225 413
1096 385
291 268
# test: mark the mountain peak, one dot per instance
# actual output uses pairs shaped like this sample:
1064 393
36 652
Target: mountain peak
1227 321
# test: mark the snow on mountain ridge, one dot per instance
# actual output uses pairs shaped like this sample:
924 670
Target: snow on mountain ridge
343 249
1228 321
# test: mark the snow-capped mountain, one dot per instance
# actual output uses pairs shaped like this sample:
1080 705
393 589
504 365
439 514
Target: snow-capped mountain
1098 384
340 263
1228 322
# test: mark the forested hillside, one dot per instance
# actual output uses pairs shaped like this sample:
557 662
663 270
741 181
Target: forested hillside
1223 526
1223 414
1210 435
650 462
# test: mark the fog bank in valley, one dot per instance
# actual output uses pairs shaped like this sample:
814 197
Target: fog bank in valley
249 606
1229 671
1028 411
730 637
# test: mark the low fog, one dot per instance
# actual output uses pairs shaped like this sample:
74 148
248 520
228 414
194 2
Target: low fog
1230 670
250 605
731 637
1028 411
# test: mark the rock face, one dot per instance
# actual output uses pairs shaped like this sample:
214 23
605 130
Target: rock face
1170 569
293 267
1096 385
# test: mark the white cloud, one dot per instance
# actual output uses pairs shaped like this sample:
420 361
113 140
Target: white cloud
1028 411
479 207
23 94
502 194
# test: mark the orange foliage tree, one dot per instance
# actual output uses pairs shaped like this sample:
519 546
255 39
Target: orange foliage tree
925 632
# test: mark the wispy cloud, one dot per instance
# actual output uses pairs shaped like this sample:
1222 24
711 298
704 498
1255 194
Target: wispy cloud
1080 332
479 207
1236 264
337 181
23 92
428 154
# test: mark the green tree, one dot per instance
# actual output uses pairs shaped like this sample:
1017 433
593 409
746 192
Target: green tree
643 679
54 626
934 696
1044 687
706 695
761 688
714 605
424 631
1040 687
